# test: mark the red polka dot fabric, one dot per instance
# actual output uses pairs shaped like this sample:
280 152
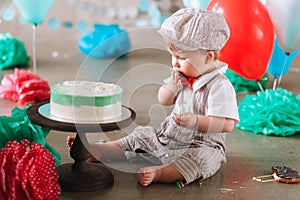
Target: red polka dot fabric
28 172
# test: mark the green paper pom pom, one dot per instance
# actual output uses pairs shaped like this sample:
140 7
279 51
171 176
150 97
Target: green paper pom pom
241 84
273 112
12 52
18 127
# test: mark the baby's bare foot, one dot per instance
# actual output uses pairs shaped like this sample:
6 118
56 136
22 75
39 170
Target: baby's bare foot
148 175
70 140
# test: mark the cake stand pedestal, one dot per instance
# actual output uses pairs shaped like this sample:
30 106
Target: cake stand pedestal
80 176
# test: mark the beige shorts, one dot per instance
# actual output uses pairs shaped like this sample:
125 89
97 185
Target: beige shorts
193 163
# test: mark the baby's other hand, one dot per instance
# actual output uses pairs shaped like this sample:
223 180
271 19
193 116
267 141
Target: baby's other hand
173 84
176 78
188 119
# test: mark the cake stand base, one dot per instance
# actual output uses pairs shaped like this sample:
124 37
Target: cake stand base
81 176
97 177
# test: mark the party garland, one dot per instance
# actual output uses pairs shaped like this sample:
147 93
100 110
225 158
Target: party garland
273 112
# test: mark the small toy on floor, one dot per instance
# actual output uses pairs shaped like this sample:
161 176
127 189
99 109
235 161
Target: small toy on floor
280 173
179 184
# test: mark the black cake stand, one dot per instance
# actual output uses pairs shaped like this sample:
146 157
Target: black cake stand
80 176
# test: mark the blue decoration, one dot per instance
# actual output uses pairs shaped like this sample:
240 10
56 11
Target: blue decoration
142 23
154 12
155 15
67 24
53 23
82 26
144 6
106 41
280 62
164 17
196 3
8 14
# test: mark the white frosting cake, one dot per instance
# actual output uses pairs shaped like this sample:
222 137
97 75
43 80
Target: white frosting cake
84 101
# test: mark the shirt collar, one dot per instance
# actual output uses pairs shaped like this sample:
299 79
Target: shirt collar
204 79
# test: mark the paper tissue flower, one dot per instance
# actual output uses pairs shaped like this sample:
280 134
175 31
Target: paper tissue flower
273 112
12 52
27 171
241 84
18 127
106 41
24 87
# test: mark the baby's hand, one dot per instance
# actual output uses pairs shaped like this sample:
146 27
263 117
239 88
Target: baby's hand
174 84
188 119
176 78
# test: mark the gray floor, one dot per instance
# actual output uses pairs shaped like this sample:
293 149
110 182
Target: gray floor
140 73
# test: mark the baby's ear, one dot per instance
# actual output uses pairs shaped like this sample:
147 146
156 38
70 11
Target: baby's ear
210 56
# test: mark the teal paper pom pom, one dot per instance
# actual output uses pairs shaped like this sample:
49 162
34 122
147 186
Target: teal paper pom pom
273 112
12 52
241 84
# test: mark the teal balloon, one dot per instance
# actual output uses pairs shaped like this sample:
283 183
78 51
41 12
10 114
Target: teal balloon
196 3
280 61
34 11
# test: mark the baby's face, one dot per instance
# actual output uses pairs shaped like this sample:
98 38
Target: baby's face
192 63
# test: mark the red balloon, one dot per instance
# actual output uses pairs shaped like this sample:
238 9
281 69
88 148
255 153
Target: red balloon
251 41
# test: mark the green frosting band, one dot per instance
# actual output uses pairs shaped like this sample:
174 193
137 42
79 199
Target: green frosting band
12 52
78 100
69 100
